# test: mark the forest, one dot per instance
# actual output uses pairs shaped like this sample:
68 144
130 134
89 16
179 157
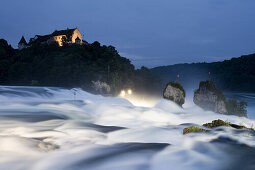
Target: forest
237 74
71 66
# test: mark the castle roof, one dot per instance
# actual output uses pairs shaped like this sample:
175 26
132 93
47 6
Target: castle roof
67 32
42 38
22 40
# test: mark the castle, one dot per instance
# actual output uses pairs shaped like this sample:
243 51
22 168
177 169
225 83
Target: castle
70 36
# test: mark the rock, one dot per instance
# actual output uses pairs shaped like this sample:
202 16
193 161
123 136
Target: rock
216 123
210 98
213 124
239 126
219 122
174 92
194 129
101 87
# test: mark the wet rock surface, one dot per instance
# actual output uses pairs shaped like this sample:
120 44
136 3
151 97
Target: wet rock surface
208 97
174 92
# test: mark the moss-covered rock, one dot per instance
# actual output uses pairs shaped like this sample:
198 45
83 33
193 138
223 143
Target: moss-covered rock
216 123
213 124
193 129
219 122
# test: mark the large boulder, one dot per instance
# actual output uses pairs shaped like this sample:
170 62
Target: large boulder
210 98
174 92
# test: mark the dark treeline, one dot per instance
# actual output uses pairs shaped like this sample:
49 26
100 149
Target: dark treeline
72 66
237 74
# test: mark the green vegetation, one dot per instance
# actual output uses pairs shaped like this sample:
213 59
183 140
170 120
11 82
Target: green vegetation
147 82
216 123
236 108
193 129
219 122
72 66
178 86
213 124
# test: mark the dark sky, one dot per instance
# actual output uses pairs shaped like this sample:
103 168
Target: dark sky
148 32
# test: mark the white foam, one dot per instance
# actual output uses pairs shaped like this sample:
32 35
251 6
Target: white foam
75 136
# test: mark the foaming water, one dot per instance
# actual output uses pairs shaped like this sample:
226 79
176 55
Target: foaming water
43 128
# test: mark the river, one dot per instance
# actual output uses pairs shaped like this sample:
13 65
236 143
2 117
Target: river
47 128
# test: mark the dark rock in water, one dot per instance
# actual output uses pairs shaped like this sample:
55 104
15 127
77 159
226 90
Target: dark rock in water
174 92
194 129
239 126
210 98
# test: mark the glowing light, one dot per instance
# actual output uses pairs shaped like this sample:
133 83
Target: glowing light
129 92
122 93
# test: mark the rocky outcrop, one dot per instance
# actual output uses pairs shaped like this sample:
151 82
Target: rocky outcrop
174 92
211 126
219 123
101 87
210 98
216 123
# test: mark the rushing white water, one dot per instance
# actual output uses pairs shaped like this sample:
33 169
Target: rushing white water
53 129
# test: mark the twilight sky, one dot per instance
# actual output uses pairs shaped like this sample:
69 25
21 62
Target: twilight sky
148 32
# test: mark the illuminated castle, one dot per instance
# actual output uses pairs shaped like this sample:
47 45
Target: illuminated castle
70 36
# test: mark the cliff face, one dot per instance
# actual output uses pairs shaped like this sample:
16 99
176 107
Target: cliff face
174 93
210 98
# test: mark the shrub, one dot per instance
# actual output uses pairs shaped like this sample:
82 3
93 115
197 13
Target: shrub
236 108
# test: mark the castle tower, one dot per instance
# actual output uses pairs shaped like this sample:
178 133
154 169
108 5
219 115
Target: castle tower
22 43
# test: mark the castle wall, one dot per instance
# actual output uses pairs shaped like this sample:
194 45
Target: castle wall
58 39
76 34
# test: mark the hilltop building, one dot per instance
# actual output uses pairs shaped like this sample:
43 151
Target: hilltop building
22 43
70 36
